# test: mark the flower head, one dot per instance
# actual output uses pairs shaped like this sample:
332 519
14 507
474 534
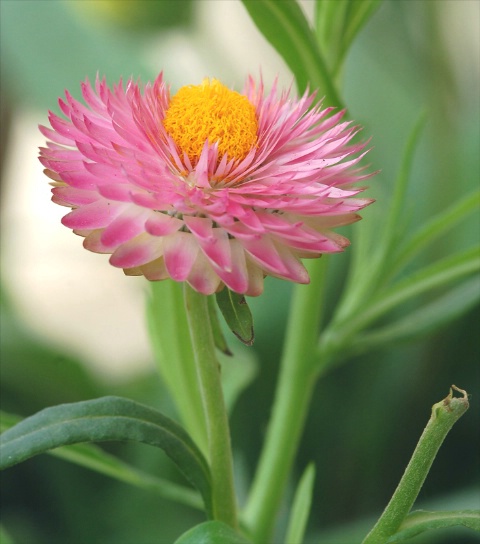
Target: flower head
209 186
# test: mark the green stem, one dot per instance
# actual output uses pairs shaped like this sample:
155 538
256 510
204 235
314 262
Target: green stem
208 374
292 399
444 414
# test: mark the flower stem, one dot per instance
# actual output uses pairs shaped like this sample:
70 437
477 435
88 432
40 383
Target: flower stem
444 414
208 374
292 399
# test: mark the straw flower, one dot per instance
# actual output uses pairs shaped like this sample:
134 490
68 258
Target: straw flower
208 186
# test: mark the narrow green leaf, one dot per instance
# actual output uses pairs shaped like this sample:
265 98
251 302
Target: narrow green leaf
218 336
212 532
367 274
421 520
425 320
170 338
106 419
94 458
284 25
237 314
440 273
359 12
338 23
435 227
302 502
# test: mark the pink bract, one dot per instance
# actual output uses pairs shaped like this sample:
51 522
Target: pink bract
218 222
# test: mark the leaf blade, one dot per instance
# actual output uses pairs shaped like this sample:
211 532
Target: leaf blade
106 419
237 314
284 25
420 521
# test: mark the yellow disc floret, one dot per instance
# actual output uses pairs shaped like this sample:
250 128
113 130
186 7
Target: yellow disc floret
212 112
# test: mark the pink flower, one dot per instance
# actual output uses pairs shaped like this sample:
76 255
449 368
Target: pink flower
209 186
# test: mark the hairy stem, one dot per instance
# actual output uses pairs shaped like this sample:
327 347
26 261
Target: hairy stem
218 432
444 414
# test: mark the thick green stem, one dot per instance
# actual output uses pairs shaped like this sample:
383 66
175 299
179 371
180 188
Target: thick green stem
444 414
208 373
292 399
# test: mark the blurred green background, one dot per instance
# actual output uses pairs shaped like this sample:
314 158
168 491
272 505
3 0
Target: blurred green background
72 326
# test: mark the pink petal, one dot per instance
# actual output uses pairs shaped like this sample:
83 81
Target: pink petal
180 252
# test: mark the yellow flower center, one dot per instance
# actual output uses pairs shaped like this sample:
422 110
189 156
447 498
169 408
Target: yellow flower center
212 112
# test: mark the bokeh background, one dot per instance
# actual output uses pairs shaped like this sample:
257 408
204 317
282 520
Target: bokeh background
73 328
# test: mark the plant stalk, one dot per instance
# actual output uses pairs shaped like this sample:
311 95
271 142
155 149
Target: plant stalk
292 399
444 414
218 431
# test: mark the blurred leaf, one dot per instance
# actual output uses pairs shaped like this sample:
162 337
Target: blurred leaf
5 538
237 314
370 267
212 532
337 24
94 458
420 521
425 320
138 15
170 340
47 47
218 336
435 227
237 374
445 271
284 25
105 419
302 502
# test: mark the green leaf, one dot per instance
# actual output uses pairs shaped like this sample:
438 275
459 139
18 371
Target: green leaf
302 502
237 374
338 23
435 227
106 419
425 320
96 459
212 532
284 25
5 538
421 520
237 314
440 273
371 267
218 336
170 339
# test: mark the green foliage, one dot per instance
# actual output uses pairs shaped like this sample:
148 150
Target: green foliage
237 314
286 28
170 339
95 458
105 419
212 532
420 521
337 24
302 502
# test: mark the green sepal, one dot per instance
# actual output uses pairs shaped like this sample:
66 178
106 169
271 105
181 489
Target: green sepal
218 336
237 314
212 532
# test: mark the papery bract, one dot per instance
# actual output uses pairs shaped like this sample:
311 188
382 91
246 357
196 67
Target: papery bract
250 197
